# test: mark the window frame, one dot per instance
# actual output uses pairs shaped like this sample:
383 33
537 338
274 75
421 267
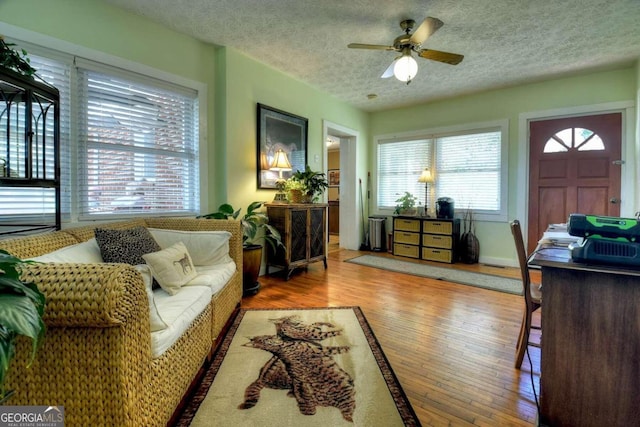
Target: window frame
502 126
101 74
49 47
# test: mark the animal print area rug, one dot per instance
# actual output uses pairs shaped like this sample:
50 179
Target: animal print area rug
300 367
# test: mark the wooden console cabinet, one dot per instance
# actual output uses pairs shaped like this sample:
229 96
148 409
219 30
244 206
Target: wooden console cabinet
303 228
431 239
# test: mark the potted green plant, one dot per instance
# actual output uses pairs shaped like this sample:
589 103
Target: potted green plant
255 227
21 311
312 184
14 60
406 204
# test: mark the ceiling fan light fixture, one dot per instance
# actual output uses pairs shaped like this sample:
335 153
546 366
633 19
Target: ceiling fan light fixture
405 68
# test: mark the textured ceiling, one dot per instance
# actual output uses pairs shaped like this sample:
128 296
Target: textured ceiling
504 42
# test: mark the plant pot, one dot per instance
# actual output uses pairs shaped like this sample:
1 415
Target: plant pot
296 196
409 212
251 262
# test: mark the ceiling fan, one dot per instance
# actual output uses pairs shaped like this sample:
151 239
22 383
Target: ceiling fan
405 67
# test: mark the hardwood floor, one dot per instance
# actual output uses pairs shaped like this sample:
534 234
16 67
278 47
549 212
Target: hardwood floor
451 346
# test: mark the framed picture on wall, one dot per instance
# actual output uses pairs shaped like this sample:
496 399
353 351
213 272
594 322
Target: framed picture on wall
279 130
334 177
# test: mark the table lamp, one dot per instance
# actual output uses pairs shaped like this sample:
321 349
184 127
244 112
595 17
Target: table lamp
280 163
427 178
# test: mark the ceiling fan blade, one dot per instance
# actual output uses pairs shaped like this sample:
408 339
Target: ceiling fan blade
389 71
436 55
429 26
370 46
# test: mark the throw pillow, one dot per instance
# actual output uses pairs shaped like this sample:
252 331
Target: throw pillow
82 253
171 267
205 247
155 320
125 246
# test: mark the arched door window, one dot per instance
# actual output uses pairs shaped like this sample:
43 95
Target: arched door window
573 138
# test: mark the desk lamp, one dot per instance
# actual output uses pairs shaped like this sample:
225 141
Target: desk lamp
280 163
427 178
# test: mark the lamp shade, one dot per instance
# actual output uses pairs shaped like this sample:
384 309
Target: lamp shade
405 68
280 162
426 176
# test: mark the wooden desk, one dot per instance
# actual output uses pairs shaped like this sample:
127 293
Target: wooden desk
590 364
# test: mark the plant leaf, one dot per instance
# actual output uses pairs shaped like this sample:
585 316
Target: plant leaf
7 351
250 230
19 314
6 257
273 236
226 208
254 206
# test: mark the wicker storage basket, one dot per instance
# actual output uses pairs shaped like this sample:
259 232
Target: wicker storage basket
295 196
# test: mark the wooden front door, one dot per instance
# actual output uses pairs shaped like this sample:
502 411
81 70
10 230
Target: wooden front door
574 167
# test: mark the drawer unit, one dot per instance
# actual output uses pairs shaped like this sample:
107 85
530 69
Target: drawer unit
406 237
437 227
437 241
435 254
405 224
426 238
410 251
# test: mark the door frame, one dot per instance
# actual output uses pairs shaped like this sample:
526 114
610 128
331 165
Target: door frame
628 172
350 226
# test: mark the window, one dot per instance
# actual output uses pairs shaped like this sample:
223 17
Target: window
38 204
468 170
469 165
138 145
129 142
399 166
573 138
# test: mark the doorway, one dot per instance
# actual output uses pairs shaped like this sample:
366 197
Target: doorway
344 181
333 192
574 166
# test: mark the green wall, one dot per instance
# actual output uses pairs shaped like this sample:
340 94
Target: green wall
248 82
509 103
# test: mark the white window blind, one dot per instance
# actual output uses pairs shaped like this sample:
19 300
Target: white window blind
138 140
468 170
399 166
38 204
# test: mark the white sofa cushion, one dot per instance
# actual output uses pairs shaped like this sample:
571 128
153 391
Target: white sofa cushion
205 247
155 320
82 253
213 276
171 267
178 311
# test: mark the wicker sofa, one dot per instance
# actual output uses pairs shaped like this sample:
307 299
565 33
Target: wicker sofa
96 359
